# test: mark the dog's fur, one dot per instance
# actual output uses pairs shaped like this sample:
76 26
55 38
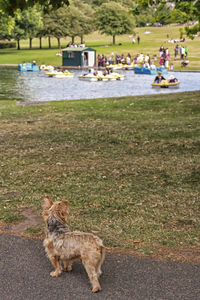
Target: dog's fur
62 245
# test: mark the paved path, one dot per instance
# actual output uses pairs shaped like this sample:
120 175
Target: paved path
24 275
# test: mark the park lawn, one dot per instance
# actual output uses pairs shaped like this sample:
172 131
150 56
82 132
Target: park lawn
150 44
129 166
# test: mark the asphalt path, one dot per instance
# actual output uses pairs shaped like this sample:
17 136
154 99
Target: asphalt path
24 275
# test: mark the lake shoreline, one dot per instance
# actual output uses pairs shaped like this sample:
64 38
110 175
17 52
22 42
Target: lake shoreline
83 68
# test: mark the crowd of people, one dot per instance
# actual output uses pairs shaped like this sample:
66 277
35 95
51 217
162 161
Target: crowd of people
164 57
145 60
182 51
139 59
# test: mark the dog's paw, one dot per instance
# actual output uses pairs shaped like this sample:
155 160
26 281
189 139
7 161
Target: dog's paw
55 274
68 269
96 289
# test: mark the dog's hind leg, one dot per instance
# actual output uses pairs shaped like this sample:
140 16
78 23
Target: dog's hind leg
92 274
67 265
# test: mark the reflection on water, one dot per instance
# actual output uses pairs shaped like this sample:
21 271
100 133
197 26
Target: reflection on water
30 86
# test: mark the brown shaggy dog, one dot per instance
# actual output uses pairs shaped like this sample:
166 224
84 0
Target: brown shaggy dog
62 245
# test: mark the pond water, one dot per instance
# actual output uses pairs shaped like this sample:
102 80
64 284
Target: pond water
36 86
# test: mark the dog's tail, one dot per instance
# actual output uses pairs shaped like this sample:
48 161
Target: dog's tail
103 253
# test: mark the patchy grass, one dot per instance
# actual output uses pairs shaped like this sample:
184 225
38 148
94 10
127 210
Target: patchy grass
34 231
129 166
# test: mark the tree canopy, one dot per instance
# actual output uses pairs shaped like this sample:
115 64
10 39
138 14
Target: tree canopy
27 24
184 11
10 6
113 19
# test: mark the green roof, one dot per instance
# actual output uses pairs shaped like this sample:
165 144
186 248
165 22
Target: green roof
77 49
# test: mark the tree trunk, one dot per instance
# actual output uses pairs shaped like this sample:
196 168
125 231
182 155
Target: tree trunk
40 38
58 39
113 39
18 45
81 39
30 43
73 38
49 42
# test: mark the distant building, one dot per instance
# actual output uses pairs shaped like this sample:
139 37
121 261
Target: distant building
79 57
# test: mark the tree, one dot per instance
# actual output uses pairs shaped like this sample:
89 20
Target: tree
113 19
185 10
85 18
6 26
74 20
18 32
191 11
32 21
27 25
162 14
48 27
146 16
10 6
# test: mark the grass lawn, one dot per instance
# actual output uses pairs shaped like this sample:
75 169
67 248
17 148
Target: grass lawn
150 43
129 166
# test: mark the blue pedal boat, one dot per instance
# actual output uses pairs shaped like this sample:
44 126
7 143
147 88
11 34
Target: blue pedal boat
143 70
28 67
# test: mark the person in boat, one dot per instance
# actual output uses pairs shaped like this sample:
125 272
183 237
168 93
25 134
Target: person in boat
146 65
106 71
172 79
59 69
159 78
90 72
153 66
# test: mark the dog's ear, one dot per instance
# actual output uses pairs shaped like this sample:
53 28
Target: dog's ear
63 210
47 203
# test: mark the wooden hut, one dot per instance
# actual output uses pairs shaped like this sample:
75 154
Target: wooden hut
79 57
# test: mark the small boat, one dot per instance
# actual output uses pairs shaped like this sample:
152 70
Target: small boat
143 70
60 74
28 67
166 84
128 67
46 68
99 76
115 66
88 77
115 76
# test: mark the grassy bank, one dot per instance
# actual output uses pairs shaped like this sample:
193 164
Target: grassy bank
150 43
128 166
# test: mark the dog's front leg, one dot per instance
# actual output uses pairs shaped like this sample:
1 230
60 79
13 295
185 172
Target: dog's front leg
55 260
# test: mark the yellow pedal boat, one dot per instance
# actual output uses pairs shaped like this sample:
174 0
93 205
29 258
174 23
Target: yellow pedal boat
100 77
48 68
60 74
166 84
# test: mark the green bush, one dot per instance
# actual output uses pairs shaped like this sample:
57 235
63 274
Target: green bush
7 44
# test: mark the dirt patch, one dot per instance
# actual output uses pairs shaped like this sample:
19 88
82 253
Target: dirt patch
31 219
10 194
32 103
186 255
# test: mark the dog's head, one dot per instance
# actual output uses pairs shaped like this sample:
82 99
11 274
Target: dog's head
58 209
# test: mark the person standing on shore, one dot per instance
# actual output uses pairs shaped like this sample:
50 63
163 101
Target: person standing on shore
138 39
186 51
176 51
